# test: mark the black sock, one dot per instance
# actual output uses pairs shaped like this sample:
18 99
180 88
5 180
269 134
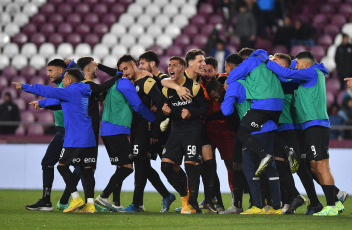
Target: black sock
307 182
238 183
174 179
217 190
193 173
117 193
265 189
140 180
119 176
337 190
67 175
155 180
205 179
330 195
90 182
286 179
66 194
210 169
181 175
48 178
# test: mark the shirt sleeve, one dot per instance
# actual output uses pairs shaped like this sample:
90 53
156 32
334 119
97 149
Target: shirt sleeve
232 95
128 90
98 89
107 70
63 94
157 99
243 69
202 105
302 74
48 102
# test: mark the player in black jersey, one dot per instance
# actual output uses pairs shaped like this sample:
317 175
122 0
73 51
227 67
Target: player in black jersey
145 135
185 137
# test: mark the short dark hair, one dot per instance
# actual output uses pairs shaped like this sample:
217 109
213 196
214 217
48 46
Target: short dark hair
192 54
306 55
149 56
246 52
286 57
234 59
213 85
211 61
126 58
84 61
181 60
57 63
75 73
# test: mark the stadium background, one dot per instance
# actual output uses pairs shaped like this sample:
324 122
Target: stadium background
32 32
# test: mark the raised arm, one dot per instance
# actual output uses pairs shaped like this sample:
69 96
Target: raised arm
243 69
302 74
107 70
128 90
63 94
232 96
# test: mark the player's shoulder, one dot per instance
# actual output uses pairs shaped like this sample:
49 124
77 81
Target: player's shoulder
195 88
148 84
165 91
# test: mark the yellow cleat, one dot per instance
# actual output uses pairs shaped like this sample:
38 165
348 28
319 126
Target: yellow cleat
188 210
89 208
253 211
184 200
273 211
75 204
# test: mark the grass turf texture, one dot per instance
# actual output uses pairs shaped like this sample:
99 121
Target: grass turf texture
13 215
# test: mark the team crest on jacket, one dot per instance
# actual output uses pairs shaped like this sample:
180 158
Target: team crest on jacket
137 88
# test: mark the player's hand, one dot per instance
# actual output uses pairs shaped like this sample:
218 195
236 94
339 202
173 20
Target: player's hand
166 110
153 141
18 85
225 85
68 61
185 114
164 125
349 82
146 74
154 108
184 93
35 104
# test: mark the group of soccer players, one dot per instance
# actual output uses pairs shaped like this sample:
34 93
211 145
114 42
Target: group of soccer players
266 116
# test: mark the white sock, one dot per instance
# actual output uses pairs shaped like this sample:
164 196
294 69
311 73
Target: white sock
75 195
90 200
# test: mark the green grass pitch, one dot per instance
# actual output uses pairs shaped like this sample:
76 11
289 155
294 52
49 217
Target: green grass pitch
13 215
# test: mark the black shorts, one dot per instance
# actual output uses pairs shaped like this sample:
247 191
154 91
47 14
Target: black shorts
316 143
286 138
254 119
205 137
186 144
141 147
119 149
79 156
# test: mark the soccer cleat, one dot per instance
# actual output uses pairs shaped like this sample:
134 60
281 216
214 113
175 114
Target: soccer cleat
340 207
100 208
141 208
232 210
132 208
188 209
212 209
203 205
184 200
88 208
105 202
117 208
295 203
178 210
327 211
41 205
220 207
263 164
74 204
253 211
273 211
313 209
342 196
284 208
61 207
167 201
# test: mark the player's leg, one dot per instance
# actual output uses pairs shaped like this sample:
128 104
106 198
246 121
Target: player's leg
49 160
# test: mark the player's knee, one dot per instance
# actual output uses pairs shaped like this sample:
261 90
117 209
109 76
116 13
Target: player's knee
166 168
62 168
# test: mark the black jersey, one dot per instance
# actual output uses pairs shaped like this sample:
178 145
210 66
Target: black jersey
197 106
149 93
